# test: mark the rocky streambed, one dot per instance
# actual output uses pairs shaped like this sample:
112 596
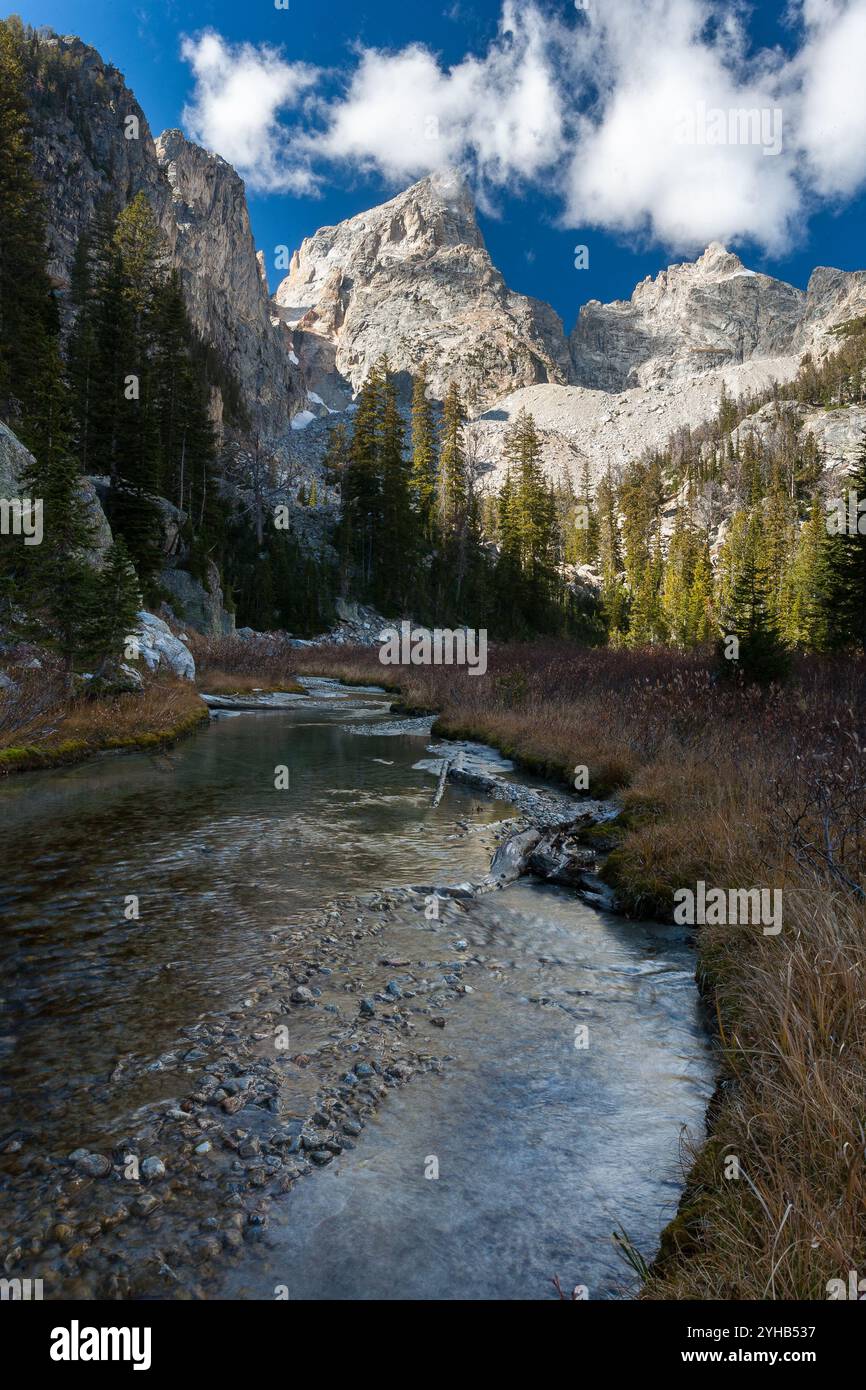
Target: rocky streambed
194 1093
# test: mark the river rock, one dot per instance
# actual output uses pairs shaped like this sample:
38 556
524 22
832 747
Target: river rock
160 648
90 1164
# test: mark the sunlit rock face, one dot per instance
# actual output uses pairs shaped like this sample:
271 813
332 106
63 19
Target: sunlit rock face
413 279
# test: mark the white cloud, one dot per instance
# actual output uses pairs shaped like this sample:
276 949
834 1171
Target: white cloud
239 91
644 160
597 110
500 115
832 67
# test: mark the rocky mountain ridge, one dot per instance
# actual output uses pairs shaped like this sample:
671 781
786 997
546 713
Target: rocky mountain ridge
413 278
92 141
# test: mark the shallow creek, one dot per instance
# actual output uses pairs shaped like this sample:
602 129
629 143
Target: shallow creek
543 1145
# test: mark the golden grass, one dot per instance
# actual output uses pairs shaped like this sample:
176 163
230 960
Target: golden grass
217 682
61 731
237 666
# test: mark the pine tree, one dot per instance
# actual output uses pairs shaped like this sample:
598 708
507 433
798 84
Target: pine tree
362 486
452 465
700 620
844 598
582 548
614 597
807 620
59 580
677 586
424 457
396 564
118 601
759 654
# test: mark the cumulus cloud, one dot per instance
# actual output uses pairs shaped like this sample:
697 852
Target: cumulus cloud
502 115
652 118
832 73
239 92
686 139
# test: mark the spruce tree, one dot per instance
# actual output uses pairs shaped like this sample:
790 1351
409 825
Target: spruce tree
760 654
844 596
807 617
118 601
362 485
59 580
452 465
424 457
396 564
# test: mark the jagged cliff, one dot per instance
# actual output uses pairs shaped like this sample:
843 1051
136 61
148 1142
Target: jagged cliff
705 314
86 150
413 278
212 246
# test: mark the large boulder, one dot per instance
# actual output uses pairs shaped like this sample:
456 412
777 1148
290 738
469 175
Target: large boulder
161 649
15 461
202 606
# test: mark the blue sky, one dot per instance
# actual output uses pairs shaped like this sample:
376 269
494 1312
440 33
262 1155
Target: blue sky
557 110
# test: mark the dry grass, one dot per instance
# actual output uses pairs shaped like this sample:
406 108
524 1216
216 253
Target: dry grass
40 728
232 666
741 789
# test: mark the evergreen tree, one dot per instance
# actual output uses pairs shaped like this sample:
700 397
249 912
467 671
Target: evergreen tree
582 546
807 619
452 466
700 620
396 561
424 457
118 601
614 597
362 486
759 654
844 596
59 581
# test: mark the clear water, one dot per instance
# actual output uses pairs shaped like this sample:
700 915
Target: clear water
543 1149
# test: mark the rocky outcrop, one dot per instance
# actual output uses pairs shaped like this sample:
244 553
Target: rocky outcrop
224 284
82 155
706 314
413 279
158 647
832 297
200 605
15 462
700 315
92 143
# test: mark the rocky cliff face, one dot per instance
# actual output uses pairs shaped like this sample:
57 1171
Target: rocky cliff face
212 246
701 315
706 314
413 278
83 155
81 151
